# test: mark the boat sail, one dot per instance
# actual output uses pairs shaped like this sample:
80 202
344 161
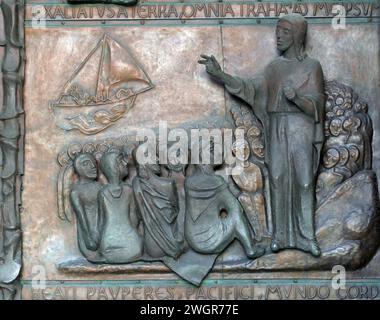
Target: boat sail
108 74
107 82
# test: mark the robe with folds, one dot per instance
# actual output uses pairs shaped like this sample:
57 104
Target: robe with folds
293 140
205 230
157 203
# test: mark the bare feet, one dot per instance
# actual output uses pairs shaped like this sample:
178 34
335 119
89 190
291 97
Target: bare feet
255 253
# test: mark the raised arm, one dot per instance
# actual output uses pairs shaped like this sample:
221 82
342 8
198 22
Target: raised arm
75 201
242 89
214 69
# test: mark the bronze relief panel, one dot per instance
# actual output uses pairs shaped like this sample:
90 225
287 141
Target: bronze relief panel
119 182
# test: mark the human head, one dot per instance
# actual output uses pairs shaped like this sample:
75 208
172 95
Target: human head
339 100
142 168
114 165
331 158
85 166
210 153
344 156
360 106
241 150
291 31
258 149
253 132
357 122
347 124
177 160
336 127
338 111
354 152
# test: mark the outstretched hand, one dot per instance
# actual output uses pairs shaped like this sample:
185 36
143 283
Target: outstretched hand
212 65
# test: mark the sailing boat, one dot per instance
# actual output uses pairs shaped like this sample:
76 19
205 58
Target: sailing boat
105 85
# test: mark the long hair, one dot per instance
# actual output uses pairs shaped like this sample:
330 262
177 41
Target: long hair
66 175
299 31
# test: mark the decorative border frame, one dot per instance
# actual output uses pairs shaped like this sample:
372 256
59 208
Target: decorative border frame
12 131
11 146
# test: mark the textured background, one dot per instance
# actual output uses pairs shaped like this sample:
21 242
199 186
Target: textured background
183 93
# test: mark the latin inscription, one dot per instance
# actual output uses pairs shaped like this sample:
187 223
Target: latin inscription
198 10
236 292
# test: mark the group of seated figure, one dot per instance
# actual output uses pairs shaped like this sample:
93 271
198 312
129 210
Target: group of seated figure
161 212
182 214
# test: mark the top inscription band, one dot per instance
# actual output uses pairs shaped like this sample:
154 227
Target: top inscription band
201 12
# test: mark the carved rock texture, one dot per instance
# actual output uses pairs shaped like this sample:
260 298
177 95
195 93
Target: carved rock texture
347 229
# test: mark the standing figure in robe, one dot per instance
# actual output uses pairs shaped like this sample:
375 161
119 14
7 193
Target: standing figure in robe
289 100
121 242
157 203
84 201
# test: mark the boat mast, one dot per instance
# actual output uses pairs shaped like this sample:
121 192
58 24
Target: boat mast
100 70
